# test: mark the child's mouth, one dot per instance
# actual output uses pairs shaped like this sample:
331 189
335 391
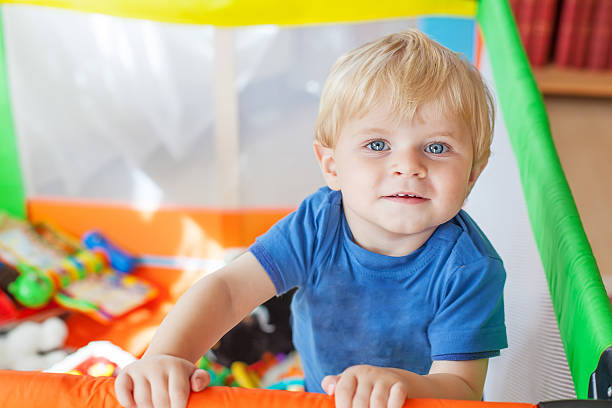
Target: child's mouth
407 198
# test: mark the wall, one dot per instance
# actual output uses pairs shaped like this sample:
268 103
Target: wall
582 130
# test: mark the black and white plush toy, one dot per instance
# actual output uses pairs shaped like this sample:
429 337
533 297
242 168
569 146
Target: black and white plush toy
266 329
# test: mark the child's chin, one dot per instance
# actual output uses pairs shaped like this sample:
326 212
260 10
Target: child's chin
409 228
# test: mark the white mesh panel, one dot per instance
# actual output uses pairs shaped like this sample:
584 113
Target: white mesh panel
111 108
534 367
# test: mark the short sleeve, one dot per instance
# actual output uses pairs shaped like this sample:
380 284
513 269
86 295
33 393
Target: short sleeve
286 251
470 316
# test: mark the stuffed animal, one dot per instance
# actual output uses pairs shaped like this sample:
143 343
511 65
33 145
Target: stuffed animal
267 329
33 346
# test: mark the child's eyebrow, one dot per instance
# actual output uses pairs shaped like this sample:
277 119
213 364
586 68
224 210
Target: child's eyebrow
447 133
375 131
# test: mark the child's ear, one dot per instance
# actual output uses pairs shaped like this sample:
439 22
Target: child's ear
475 173
327 163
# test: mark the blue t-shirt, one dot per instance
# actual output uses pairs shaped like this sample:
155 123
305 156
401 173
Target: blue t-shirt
443 301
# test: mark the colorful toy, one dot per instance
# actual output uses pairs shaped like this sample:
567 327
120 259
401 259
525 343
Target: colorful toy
97 359
46 259
31 288
219 375
244 377
118 259
53 265
278 372
288 384
285 373
107 296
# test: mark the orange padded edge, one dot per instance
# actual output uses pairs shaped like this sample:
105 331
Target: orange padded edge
44 390
166 231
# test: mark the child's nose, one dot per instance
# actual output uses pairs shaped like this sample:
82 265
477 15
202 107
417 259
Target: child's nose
409 164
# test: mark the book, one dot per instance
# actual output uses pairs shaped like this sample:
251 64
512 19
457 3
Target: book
514 5
544 16
580 41
524 20
567 30
600 41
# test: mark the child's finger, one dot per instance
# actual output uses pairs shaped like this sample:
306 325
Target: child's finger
159 391
123 390
361 397
397 396
199 380
379 395
329 384
345 389
142 391
178 389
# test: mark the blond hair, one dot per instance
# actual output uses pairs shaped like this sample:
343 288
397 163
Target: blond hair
409 70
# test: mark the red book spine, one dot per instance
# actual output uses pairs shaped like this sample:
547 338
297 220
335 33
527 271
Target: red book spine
600 42
514 5
525 21
567 27
583 32
541 32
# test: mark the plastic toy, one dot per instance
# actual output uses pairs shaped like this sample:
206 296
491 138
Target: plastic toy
32 289
35 288
53 265
219 375
118 259
289 384
244 377
97 359
278 372
47 260
107 296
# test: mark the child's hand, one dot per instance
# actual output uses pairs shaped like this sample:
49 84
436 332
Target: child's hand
364 386
159 381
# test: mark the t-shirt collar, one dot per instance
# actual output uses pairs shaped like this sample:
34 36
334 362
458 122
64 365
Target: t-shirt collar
385 265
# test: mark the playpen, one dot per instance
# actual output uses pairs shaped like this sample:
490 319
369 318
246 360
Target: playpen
183 129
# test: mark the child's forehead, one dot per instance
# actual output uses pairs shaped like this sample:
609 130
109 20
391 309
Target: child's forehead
384 114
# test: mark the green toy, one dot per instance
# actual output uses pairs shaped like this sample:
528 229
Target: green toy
219 375
31 288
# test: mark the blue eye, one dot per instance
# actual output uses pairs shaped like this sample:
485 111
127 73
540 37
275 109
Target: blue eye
436 148
377 145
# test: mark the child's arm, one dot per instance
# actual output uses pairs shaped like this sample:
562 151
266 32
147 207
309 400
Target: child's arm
363 385
210 308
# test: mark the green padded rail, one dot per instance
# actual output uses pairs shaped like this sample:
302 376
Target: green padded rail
579 299
12 193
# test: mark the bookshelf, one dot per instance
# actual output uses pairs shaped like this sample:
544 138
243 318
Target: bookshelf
552 80
582 131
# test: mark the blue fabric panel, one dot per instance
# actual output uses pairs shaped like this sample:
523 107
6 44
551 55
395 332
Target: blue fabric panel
458 34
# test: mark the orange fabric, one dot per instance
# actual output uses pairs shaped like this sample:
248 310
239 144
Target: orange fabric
167 231
33 389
